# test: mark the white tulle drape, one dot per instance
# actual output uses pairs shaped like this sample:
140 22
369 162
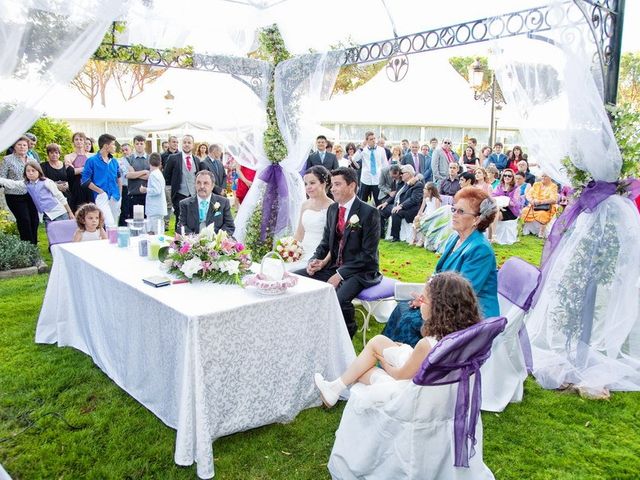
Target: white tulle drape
585 326
300 84
44 44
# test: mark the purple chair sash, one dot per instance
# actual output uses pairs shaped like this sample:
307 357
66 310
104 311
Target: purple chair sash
275 198
453 360
61 231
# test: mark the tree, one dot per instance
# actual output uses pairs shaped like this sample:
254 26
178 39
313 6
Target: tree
462 64
629 80
51 131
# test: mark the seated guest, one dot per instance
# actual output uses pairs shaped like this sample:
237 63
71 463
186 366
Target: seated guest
469 159
467 252
447 305
90 222
205 208
542 198
451 184
523 167
523 187
482 180
508 188
494 176
351 235
467 179
406 203
498 158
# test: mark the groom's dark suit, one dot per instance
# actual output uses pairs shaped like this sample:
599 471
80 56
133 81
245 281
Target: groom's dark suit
357 261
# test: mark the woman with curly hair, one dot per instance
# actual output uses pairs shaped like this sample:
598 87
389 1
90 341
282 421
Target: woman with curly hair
447 305
467 252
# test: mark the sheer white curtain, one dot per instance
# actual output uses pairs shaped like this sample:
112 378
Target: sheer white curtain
44 43
585 326
300 84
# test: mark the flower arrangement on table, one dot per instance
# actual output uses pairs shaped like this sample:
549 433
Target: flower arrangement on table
209 256
289 249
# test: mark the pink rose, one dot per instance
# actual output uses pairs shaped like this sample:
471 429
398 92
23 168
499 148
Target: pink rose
239 247
185 248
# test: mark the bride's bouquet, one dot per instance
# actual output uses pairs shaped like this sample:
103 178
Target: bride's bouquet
289 249
209 256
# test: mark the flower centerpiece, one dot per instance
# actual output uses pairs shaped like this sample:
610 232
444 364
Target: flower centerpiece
289 249
209 256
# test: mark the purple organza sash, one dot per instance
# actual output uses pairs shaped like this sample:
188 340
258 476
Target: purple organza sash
592 196
276 195
453 360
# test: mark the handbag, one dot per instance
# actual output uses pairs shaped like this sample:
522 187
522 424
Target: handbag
545 207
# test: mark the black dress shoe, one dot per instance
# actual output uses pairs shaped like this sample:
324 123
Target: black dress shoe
395 240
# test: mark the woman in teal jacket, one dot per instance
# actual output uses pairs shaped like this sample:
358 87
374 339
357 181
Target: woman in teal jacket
467 252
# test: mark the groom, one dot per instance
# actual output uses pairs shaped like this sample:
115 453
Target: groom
351 237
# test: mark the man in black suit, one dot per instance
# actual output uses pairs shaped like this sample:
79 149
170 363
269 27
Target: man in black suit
205 208
322 157
180 174
170 149
347 256
405 204
213 163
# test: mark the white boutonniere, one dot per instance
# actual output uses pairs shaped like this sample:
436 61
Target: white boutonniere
354 222
216 209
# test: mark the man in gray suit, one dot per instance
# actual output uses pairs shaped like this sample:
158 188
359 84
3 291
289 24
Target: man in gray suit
418 161
322 156
205 208
440 160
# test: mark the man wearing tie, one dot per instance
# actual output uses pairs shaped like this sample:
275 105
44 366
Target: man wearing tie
418 161
180 173
347 256
205 208
373 159
327 159
213 163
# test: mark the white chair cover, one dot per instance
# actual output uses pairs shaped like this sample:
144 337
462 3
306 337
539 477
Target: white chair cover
506 232
410 436
406 230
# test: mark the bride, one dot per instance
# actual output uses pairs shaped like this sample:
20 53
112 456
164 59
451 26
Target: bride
313 215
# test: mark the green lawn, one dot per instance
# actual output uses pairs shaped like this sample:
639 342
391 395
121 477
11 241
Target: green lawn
61 417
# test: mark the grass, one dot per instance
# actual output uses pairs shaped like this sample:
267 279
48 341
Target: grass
61 417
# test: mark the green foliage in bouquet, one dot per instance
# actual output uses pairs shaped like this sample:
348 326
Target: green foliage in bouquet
208 256
255 244
16 253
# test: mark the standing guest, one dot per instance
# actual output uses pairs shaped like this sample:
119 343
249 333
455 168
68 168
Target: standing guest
451 184
440 160
469 159
49 201
542 197
515 157
382 143
102 175
447 305
246 176
498 158
123 164
329 146
213 163
338 150
405 146
55 170
31 153
467 179
180 173
523 167
347 257
18 200
205 208
484 159
322 157
202 151
172 148
467 252
482 181
372 159
164 146
155 205
90 222
138 174
351 150
493 176
396 155
79 194
89 145
507 188
473 143
419 162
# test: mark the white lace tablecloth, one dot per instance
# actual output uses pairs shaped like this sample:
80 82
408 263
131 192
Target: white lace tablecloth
209 360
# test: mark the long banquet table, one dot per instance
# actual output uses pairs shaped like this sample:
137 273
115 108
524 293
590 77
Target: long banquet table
208 360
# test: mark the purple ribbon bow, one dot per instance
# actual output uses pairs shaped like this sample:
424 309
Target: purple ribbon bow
592 196
276 193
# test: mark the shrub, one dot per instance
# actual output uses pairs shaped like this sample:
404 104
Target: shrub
7 225
48 131
15 253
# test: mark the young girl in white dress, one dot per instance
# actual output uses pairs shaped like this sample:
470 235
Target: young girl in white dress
313 215
447 304
430 203
90 224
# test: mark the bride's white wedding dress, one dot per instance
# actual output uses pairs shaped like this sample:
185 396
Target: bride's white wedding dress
313 222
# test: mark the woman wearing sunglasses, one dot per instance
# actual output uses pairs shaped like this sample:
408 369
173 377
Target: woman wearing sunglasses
508 188
467 252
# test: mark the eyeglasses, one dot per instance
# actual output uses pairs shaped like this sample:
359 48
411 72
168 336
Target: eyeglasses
460 211
507 175
447 143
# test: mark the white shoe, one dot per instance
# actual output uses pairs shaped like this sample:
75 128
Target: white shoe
328 395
